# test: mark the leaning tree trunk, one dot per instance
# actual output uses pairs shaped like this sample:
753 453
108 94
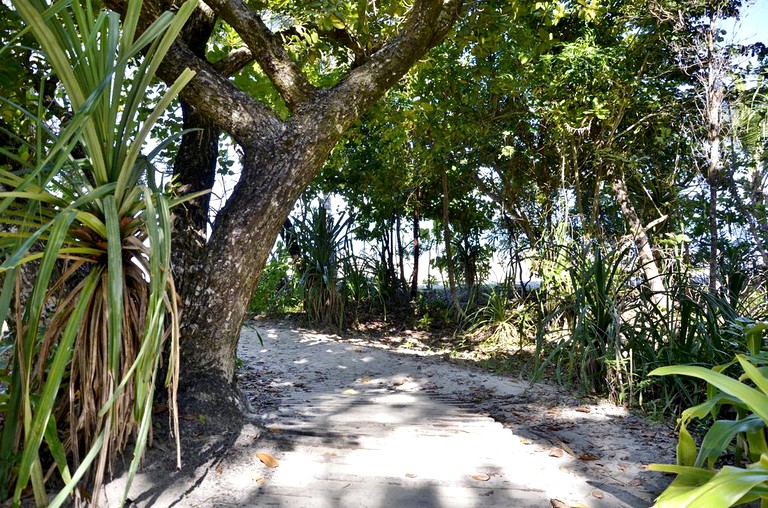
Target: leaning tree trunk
282 155
448 250
640 238
217 294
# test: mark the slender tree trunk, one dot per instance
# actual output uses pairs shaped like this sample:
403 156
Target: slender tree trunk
391 274
713 233
400 253
577 186
597 229
640 237
416 253
448 248
713 96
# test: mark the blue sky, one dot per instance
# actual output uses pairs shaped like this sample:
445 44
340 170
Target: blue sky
753 25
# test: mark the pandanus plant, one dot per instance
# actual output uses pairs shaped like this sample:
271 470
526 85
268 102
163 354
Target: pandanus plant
87 220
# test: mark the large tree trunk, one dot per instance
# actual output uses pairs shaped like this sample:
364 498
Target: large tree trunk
281 155
640 238
217 294
194 170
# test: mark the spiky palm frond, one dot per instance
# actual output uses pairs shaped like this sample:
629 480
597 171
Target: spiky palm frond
96 229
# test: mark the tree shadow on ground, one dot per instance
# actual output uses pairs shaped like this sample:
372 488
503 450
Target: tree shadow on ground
353 426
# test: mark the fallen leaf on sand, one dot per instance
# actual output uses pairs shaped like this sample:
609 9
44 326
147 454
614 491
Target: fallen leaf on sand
219 469
329 454
565 447
349 391
556 503
598 494
258 479
481 477
275 430
365 380
556 452
525 440
410 475
583 409
587 456
267 459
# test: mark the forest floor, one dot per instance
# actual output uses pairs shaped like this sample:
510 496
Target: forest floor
360 421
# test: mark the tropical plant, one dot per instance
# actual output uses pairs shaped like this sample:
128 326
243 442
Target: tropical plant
590 353
502 322
320 237
742 435
357 287
278 291
92 227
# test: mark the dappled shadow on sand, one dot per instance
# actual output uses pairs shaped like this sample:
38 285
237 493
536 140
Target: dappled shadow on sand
354 426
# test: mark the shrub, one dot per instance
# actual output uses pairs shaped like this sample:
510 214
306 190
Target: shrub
278 291
743 401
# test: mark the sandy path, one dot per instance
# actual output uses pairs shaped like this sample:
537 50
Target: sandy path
353 425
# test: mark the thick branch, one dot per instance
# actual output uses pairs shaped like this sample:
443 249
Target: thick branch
268 50
234 62
209 92
427 23
215 96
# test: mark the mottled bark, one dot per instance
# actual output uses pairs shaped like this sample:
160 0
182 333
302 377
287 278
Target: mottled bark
281 156
713 101
195 170
640 237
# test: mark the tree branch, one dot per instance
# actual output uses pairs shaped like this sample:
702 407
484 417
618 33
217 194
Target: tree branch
209 92
234 62
267 49
215 96
425 26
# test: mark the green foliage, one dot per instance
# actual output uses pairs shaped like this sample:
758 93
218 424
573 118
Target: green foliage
357 288
605 333
320 237
93 230
743 400
502 323
277 292
590 354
